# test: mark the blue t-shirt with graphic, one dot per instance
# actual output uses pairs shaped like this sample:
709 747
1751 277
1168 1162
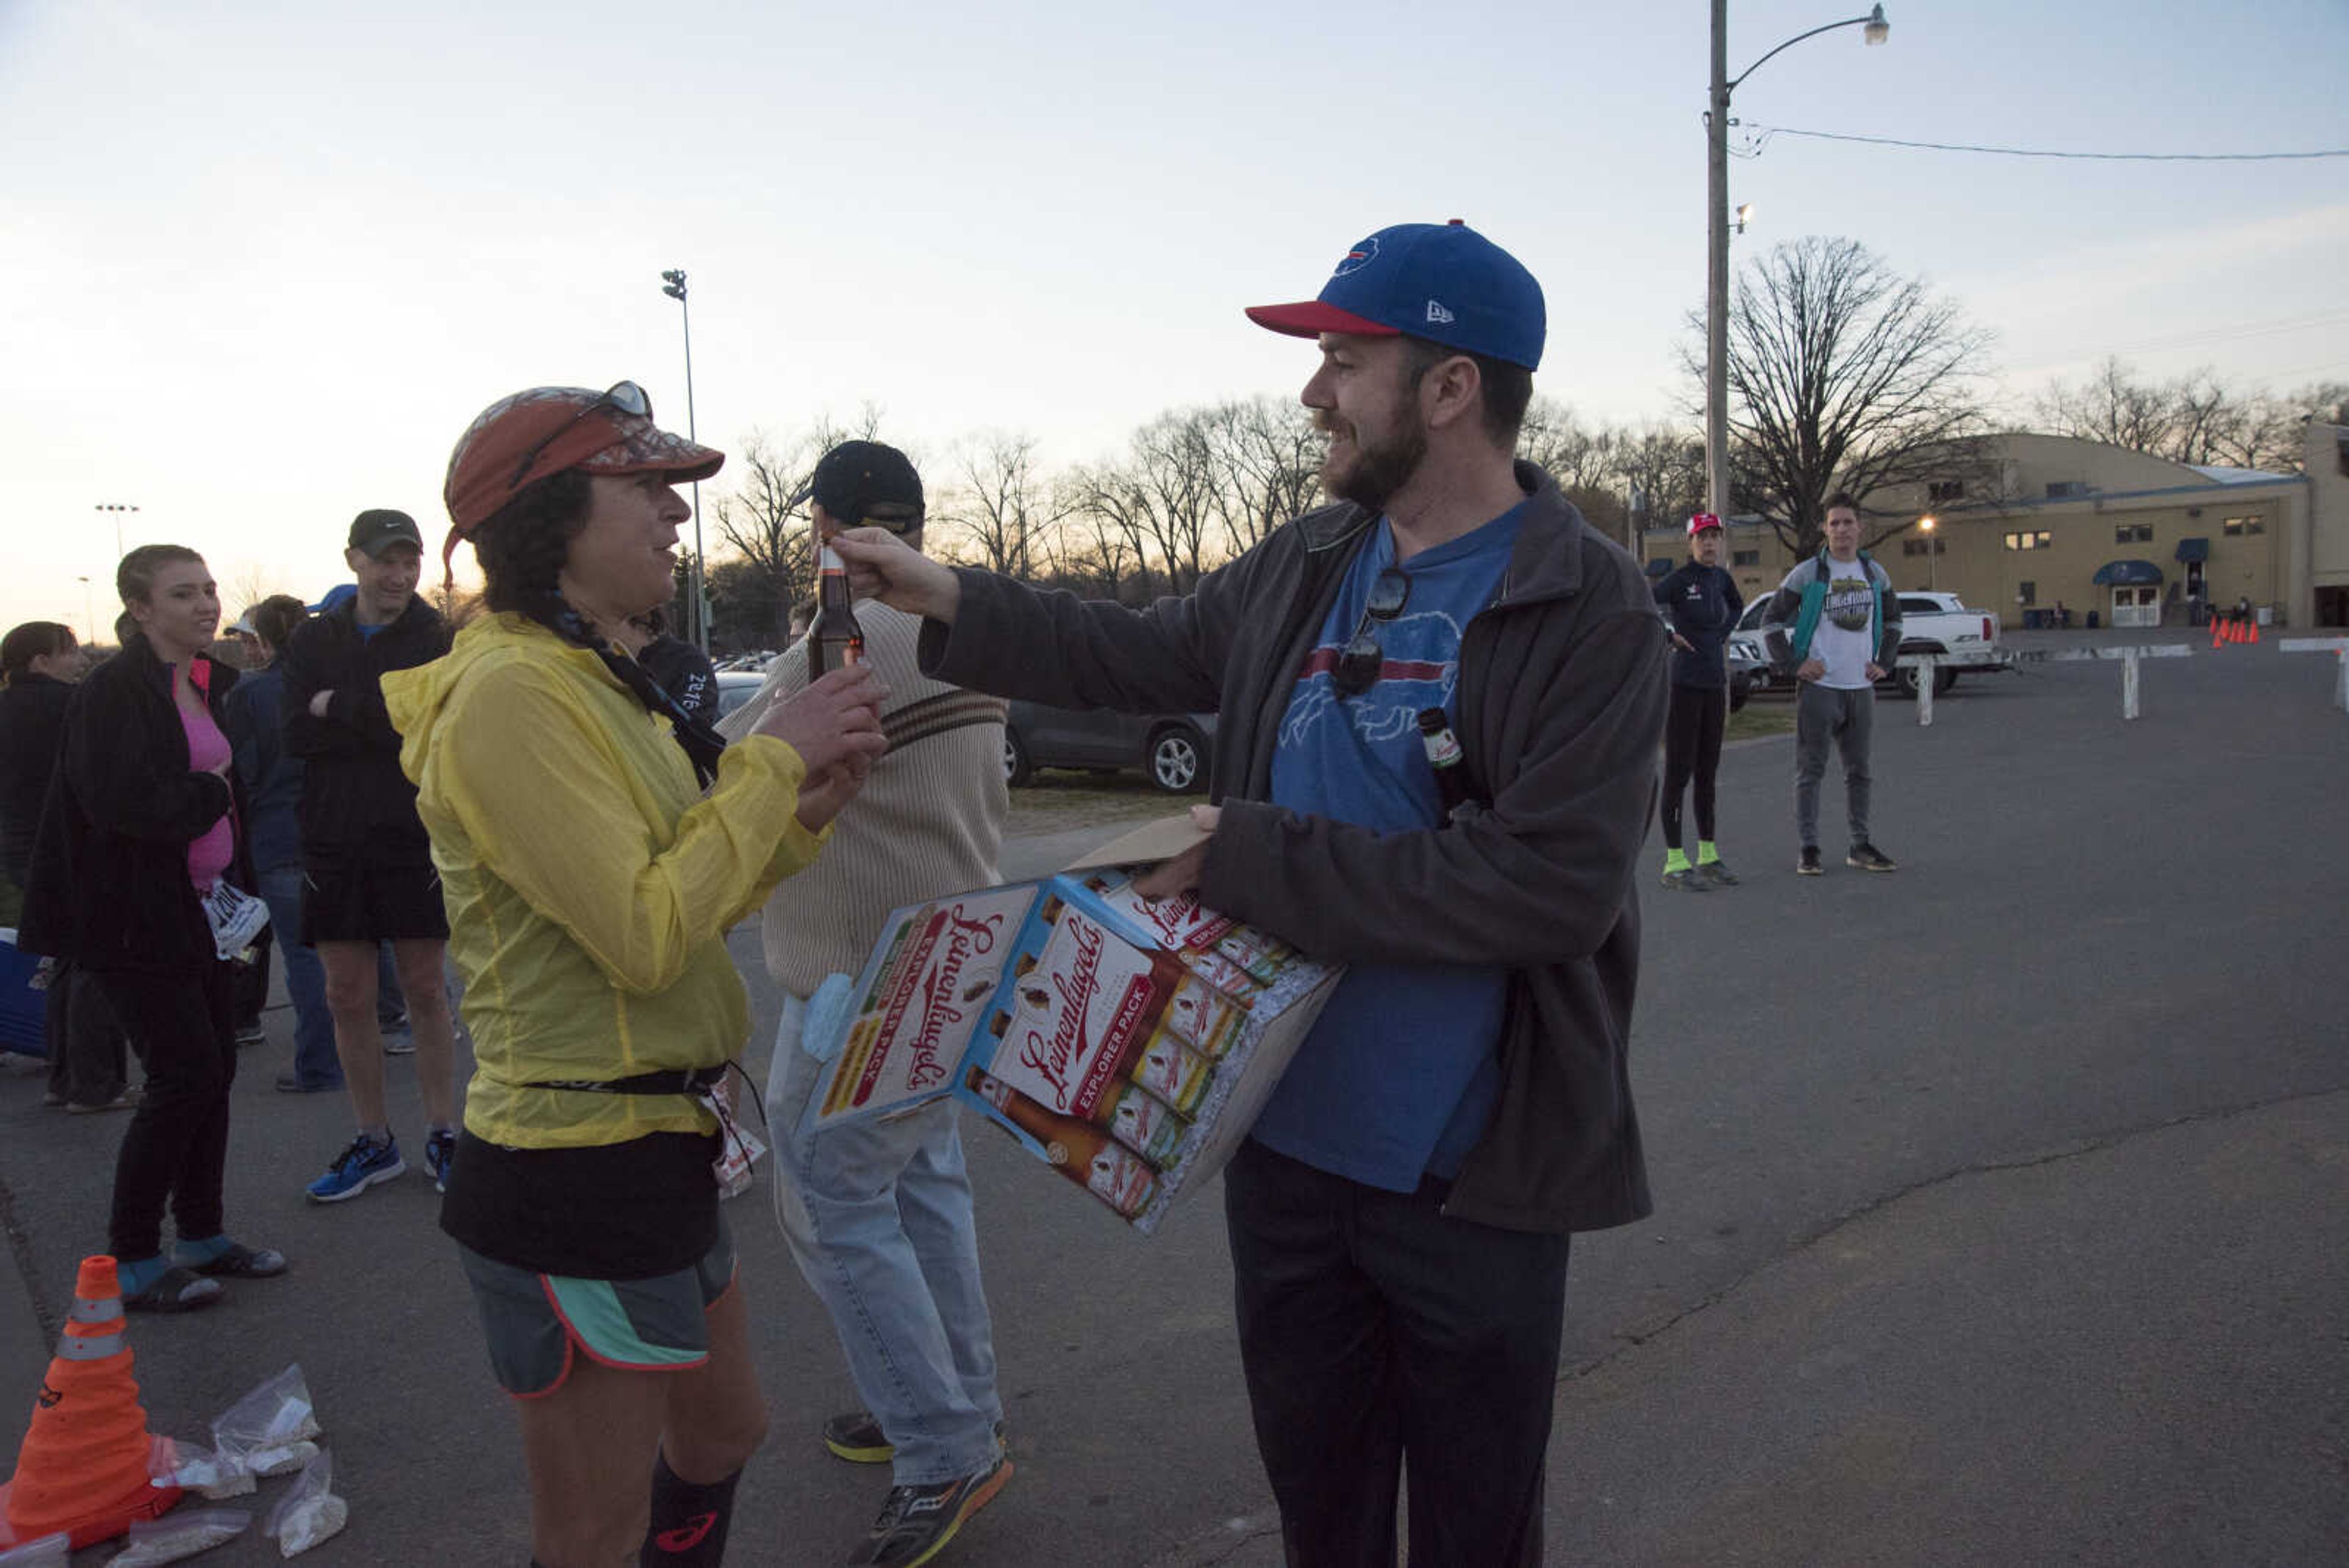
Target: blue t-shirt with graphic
1399 1074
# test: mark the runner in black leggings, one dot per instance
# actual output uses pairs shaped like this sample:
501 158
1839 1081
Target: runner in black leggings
1701 602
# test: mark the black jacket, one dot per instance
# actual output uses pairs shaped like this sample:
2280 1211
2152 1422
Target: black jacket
32 719
356 806
1561 708
108 884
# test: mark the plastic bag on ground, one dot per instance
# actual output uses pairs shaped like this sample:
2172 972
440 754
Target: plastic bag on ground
309 1512
192 1467
154 1541
272 1415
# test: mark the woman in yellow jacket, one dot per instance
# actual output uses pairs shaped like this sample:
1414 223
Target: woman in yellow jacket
595 845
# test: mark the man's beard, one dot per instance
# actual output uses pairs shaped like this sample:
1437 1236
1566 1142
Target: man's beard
1378 471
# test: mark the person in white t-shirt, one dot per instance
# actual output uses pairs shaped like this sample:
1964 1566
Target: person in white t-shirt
1834 625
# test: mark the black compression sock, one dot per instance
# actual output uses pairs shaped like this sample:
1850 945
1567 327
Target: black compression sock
689 1523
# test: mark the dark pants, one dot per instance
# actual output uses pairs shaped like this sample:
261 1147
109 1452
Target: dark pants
1846 717
1692 750
180 1023
88 1061
1374 1328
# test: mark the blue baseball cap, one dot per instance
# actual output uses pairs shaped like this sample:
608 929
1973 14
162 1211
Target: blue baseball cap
1442 282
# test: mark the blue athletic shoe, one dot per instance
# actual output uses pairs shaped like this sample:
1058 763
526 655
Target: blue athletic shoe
357 1168
439 1157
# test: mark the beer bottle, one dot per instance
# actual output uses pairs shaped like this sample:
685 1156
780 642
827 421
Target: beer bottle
835 641
1444 758
1081 1151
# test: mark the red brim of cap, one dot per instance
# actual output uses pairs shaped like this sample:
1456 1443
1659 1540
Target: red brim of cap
1310 318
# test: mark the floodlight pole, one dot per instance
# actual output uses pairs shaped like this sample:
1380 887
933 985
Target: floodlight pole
673 285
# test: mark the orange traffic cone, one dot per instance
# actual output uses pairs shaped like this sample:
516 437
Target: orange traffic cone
2218 633
83 1466
2252 626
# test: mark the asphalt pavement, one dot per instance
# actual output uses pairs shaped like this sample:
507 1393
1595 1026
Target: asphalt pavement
2002 1210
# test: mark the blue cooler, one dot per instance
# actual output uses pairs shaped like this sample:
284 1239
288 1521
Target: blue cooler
22 1009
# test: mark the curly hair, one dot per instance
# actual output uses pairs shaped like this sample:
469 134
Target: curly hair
521 545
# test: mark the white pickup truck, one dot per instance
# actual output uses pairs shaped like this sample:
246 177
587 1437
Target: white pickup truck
1960 641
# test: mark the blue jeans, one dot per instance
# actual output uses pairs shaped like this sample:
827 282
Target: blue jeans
879 1219
315 1063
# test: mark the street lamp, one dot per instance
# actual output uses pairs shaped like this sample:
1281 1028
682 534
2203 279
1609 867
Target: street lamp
89 609
1716 292
673 285
1932 554
117 510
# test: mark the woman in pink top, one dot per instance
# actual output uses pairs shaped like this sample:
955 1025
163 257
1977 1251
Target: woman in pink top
141 822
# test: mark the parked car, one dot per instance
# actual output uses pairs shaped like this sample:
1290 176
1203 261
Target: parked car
1959 641
1172 749
736 686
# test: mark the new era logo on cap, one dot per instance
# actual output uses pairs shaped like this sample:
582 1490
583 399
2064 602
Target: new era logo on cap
1442 282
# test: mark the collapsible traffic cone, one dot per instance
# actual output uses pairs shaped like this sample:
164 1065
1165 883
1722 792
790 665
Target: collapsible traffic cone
2252 626
83 1466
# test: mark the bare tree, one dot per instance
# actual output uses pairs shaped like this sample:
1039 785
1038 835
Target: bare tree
764 517
1265 457
1001 503
1844 375
2111 407
2196 419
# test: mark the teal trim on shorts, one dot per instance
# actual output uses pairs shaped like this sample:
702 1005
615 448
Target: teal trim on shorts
591 1310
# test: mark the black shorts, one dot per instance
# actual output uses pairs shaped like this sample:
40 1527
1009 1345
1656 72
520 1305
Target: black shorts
372 903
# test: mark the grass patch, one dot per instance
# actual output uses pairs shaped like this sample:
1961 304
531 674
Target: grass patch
1757 720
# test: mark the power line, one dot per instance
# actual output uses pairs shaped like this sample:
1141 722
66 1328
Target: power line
1767 131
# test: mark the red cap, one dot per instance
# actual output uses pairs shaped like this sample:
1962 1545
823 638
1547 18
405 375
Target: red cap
1701 522
581 428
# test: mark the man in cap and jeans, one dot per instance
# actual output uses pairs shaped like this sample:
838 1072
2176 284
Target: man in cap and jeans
367 863
878 1214
1399 1216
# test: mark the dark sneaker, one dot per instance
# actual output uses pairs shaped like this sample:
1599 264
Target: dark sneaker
1717 875
1867 856
357 1168
399 1043
1808 866
439 1157
1685 880
857 1438
251 1034
918 1521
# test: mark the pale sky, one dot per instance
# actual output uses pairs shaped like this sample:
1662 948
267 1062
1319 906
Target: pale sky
263 262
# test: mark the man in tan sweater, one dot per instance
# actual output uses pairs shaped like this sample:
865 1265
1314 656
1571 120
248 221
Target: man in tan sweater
878 1214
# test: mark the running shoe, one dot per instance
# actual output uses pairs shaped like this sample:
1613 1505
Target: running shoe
857 1438
357 1168
916 1521
1716 874
1867 856
1685 880
399 1042
251 1034
1808 866
440 1155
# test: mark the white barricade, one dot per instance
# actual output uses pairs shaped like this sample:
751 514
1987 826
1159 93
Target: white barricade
2130 658
2336 645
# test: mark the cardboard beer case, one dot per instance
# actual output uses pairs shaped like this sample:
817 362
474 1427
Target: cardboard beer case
1127 1042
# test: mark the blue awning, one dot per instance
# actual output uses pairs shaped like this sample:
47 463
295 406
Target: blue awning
2194 549
1659 568
2127 574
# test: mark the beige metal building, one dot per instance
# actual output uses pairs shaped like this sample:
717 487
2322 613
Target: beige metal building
2032 525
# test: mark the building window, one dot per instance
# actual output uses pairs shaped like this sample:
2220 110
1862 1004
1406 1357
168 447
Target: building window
1745 557
2066 489
2235 527
2132 533
1940 489
1933 547
2030 541
2027 593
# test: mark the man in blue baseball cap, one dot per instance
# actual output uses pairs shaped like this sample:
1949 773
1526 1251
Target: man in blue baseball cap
1399 1216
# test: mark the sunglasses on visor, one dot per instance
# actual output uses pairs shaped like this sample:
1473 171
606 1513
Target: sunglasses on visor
626 397
1363 656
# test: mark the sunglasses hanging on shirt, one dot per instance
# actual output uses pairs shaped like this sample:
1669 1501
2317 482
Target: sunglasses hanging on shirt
1364 655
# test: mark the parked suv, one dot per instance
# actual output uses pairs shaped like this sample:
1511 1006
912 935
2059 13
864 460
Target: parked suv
1172 749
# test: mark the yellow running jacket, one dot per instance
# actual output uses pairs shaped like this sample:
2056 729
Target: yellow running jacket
590 884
